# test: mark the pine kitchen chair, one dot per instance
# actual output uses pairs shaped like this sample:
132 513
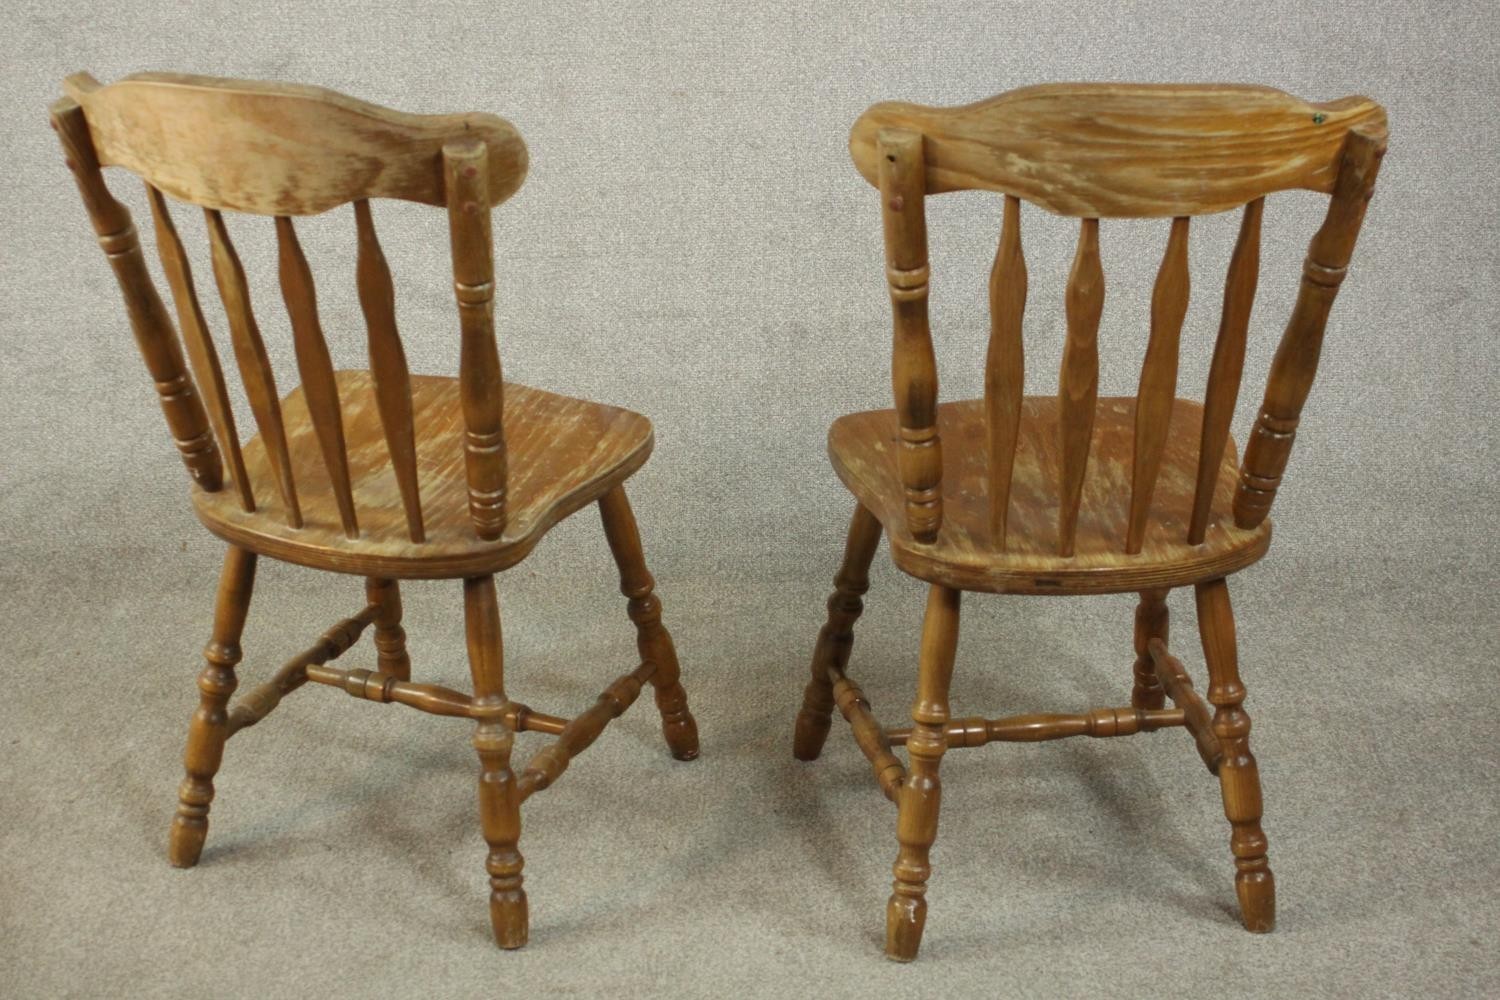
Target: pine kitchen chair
379 473
1074 494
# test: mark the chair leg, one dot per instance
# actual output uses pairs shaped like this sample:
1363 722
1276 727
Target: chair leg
390 637
209 727
652 638
1239 778
916 825
499 803
1150 623
836 638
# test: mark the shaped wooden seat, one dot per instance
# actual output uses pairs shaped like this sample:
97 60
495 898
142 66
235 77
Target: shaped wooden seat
1074 494
564 454
863 447
377 473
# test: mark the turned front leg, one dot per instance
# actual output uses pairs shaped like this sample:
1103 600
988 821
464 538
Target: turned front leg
652 638
916 826
836 638
390 637
499 802
1150 623
209 727
1239 778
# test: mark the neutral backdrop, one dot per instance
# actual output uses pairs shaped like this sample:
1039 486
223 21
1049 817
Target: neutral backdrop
693 243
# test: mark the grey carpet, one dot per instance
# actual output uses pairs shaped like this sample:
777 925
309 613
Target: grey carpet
694 243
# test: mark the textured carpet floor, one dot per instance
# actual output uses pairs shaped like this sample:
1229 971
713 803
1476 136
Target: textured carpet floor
693 243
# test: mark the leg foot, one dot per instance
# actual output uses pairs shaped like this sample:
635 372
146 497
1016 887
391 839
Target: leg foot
209 727
1239 777
836 638
499 803
652 638
921 794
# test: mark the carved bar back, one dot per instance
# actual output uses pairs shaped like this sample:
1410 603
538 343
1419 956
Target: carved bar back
285 151
1116 151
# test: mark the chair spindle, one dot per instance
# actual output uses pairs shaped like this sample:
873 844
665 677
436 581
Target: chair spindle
201 353
1227 367
254 364
1078 383
481 384
1296 362
149 321
1158 385
1004 367
913 365
314 364
377 298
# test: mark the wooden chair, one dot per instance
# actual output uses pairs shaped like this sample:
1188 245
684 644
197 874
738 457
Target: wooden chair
1074 494
377 473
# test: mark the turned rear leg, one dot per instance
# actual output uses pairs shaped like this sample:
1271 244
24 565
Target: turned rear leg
499 801
1239 778
916 825
652 638
836 638
209 727
1150 623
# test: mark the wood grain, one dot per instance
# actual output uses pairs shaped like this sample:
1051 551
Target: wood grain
1158 386
315 365
149 322
203 356
256 375
1110 150
861 446
570 452
377 298
281 148
913 364
1078 382
1228 365
481 382
1005 364
1296 362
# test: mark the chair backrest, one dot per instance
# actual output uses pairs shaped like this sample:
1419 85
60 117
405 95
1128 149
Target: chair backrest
285 150
1093 151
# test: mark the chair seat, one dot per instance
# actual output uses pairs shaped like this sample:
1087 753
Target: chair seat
863 448
563 454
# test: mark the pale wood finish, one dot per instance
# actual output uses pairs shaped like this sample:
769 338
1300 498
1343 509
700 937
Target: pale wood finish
380 474
860 446
315 365
154 336
1228 365
1130 150
568 453
1153 400
209 728
836 638
280 148
917 820
1078 382
377 298
913 365
465 166
254 363
201 352
1296 361
1005 365
1070 493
